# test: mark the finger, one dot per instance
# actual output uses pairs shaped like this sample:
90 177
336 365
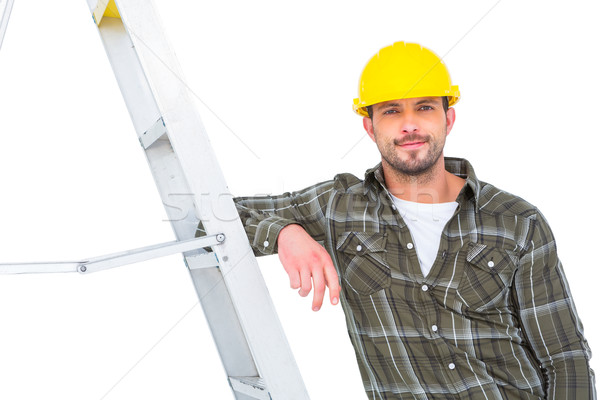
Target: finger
319 288
294 278
331 277
305 284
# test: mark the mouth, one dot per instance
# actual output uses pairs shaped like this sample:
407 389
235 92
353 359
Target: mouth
412 145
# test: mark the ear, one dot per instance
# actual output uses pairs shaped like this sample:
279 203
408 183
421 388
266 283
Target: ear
450 118
368 125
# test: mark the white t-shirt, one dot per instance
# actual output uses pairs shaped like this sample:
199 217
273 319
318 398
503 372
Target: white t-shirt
425 223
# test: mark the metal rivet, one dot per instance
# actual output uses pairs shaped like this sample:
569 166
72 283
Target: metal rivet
409 246
83 268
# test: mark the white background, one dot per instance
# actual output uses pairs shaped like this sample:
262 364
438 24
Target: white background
281 76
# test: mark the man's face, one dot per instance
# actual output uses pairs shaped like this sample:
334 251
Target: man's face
410 133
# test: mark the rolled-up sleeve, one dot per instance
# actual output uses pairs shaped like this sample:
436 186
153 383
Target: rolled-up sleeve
263 217
549 319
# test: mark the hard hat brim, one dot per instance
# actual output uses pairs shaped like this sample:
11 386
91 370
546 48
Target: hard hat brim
361 109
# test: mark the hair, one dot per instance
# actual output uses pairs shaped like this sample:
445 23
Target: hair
444 104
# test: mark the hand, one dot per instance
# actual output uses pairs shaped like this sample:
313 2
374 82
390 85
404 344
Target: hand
303 258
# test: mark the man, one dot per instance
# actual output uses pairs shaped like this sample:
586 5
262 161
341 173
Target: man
451 287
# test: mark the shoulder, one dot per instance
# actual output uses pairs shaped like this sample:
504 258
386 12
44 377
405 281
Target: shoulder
347 182
493 200
507 211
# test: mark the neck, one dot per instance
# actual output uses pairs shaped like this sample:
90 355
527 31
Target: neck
433 186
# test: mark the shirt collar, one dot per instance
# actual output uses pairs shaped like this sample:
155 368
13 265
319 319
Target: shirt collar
457 166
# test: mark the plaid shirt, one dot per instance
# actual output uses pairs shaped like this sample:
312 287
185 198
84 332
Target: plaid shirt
494 319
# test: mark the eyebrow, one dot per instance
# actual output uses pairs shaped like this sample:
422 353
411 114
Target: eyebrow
424 101
391 105
431 100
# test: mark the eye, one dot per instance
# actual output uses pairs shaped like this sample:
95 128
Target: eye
386 112
426 108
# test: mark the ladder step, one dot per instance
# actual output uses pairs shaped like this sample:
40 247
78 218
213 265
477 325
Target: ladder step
204 260
153 133
252 386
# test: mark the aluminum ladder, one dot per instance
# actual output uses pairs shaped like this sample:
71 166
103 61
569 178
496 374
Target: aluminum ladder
233 294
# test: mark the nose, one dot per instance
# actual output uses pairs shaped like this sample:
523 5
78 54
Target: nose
409 123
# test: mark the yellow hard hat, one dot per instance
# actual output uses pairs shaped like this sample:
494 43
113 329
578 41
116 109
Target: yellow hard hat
403 71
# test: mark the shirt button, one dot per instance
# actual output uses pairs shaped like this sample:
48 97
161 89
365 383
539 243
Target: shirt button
444 254
451 366
393 207
491 264
358 248
424 288
409 246
434 328
266 243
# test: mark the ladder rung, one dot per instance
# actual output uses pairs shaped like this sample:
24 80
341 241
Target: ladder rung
204 260
153 133
252 386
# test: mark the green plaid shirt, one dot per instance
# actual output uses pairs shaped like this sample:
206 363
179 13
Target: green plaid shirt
494 319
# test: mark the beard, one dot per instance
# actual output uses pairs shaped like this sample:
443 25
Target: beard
412 164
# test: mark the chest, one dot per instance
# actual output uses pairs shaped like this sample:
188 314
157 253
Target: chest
374 251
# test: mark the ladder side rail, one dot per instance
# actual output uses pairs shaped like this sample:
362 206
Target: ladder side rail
213 295
5 10
189 141
175 195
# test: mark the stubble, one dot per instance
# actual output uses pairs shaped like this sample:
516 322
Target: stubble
412 167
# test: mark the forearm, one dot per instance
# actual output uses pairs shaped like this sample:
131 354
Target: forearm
263 217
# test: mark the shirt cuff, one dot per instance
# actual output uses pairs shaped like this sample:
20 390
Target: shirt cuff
265 234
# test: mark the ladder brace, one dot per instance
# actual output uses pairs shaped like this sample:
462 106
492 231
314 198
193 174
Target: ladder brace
113 260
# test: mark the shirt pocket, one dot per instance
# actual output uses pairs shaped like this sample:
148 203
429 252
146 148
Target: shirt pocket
487 276
362 260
